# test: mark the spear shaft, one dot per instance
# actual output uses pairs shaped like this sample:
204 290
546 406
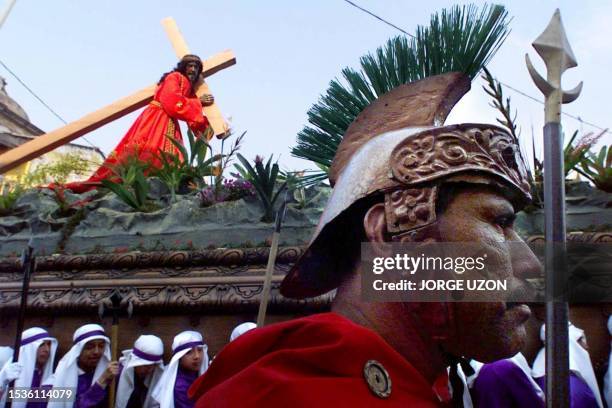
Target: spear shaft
267 286
28 262
557 314
554 48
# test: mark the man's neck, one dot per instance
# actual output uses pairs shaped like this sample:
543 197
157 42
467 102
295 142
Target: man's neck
396 324
188 372
87 370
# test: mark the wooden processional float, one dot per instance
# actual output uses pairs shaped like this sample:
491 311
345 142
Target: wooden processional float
58 137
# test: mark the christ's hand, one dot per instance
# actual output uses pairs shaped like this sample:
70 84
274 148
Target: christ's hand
207 99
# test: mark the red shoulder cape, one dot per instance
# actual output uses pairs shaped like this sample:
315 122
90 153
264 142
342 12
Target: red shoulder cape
313 361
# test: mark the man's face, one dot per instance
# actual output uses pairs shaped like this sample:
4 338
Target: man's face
43 353
493 330
191 70
192 360
144 370
91 354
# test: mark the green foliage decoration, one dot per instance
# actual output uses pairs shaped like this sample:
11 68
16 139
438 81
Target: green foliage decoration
264 178
461 39
597 168
132 188
59 170
8 198
188 167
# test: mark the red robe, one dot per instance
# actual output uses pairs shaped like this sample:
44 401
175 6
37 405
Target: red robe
316 361
173 101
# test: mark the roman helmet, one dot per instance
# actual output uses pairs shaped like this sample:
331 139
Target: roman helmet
397 149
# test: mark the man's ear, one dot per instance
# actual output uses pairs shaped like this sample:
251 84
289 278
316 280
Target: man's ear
375 223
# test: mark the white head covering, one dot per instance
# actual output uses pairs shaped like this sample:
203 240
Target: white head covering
608 376
182 344
467 398
31 339
520 360
148 349
67 372
579 360
124 356
6 354
241 329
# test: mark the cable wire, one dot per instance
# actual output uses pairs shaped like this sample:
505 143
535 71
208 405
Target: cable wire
43 102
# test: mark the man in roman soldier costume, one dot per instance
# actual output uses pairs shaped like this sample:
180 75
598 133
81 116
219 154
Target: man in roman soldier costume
153 130
397 176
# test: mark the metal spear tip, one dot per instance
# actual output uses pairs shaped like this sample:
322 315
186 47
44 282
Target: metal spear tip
552 45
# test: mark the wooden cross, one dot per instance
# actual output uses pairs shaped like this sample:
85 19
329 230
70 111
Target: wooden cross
58 137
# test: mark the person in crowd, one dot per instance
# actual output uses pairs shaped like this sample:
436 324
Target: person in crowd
86 368
9 371
584 391
189 360
36 356
141 370
507 384
241 329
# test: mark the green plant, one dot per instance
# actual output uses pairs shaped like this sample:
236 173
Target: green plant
598 168
495 91
460 39
59 170
132 189
223 164
188 167
171 173
303 178
9 197
299 195
264 179
575 153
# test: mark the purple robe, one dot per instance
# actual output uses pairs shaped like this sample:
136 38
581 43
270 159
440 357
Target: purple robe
502 384
184 379
139 394
90 396
581 395
36 380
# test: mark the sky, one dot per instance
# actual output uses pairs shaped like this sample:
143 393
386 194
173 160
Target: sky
79 56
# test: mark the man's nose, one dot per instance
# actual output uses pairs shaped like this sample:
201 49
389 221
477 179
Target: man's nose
525 265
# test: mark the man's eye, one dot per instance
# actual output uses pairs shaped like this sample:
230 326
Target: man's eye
505 221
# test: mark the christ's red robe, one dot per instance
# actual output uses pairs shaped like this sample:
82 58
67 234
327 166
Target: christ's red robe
316 361
152 130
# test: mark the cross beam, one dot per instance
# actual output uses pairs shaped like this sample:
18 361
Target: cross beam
58 137
212 112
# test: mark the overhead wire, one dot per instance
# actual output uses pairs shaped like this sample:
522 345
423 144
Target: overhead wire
39 99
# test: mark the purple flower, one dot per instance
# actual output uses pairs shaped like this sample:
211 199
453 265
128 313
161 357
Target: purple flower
230 190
